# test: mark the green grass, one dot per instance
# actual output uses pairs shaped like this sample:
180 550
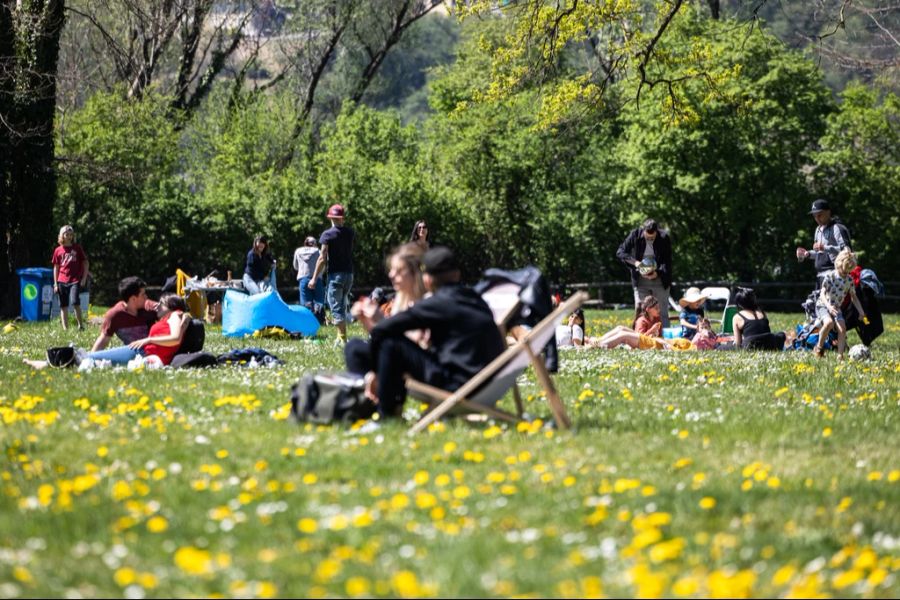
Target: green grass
688 474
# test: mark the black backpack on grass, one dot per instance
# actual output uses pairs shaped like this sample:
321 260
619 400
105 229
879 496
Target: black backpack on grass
330 398
194 337
61 356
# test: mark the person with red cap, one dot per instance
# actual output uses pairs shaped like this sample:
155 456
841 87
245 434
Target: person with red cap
337 253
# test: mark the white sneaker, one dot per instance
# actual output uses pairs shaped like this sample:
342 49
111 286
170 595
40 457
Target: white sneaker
80 355
366 428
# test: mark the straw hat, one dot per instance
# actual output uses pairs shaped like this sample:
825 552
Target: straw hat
692 295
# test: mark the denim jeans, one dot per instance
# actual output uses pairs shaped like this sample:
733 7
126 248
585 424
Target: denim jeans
339 285
256 287
117 356
308 296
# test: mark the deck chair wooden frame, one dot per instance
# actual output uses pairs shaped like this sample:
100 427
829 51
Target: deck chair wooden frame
491 383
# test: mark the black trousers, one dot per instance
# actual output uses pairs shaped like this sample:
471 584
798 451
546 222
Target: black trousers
396 358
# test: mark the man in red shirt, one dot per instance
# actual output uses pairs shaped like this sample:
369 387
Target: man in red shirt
130 319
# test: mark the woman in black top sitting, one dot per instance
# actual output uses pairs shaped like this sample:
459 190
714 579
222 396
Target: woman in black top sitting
751 325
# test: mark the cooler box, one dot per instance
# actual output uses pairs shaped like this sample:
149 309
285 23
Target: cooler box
670 333
36 293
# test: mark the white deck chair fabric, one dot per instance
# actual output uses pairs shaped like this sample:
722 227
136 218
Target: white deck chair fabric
717 293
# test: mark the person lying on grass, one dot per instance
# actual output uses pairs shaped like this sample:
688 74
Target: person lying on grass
644 333
162 344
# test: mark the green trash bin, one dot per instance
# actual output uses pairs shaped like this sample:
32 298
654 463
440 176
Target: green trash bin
36 293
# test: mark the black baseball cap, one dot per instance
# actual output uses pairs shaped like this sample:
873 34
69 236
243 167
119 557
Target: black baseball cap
439 259
819 205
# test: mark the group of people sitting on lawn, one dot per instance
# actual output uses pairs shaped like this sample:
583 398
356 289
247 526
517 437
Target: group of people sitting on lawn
750 325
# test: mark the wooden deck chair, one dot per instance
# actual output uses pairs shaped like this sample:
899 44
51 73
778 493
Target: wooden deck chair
488 386
504 302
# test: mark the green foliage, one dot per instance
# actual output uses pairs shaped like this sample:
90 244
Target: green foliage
727 180
858 168
120 190
728 160
368 163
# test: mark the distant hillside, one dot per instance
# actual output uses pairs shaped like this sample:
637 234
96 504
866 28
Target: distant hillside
866 47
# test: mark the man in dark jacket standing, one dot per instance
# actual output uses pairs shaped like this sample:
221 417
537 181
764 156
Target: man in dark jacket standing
464 337
647 252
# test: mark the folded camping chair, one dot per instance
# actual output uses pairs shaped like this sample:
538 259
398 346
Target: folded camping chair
721 294
481 393
196 301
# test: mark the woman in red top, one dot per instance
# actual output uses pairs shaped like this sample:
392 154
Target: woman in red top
70 272
166 334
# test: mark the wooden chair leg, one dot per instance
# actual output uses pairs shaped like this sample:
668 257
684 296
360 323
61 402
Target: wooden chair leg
518 397
556 405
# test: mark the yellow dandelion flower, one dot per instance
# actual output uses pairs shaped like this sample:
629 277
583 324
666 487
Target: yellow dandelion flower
307 525
784 575
327 570
846 578
357 586
125 576
193 561
157 524
406 584
148 581
707 502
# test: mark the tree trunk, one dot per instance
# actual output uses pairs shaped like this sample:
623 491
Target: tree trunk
27 109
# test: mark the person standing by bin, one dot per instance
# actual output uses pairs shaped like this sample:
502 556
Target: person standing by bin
70 272
647 252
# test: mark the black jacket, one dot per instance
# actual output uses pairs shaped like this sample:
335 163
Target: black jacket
464 337
632 249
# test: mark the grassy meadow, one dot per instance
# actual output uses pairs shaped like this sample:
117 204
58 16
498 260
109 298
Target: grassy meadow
688 474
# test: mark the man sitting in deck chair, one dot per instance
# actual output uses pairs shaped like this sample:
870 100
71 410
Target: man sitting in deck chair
464 338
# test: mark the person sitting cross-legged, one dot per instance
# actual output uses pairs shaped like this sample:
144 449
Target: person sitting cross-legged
464 338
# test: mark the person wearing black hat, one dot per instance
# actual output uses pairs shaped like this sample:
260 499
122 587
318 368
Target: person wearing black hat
831 236
464 338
